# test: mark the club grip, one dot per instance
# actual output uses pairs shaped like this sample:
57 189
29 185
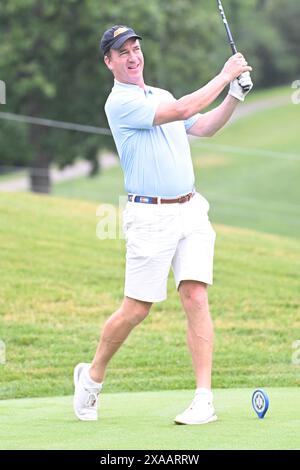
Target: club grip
246 87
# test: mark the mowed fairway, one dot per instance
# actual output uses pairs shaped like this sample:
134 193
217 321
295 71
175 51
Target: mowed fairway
145 421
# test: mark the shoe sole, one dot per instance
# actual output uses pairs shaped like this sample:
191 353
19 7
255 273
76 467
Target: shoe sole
76 375
209 420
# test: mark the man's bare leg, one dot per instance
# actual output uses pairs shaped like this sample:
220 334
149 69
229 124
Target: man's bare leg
114 333
200 335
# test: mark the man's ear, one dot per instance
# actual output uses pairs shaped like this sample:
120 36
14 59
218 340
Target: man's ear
107 62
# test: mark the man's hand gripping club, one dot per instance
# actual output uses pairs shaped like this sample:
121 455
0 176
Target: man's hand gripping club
238 72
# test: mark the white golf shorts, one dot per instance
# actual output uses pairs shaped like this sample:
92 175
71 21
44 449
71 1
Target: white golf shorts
160 236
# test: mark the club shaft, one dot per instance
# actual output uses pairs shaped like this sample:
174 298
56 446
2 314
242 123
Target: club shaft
227 28
229 35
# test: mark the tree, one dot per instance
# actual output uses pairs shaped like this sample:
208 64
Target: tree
50 62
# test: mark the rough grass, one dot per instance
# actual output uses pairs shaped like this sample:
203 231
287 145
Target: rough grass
59 283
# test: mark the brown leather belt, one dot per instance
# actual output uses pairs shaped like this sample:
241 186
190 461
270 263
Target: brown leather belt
157 200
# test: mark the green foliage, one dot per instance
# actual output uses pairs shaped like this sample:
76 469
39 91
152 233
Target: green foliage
285 16
50 63
15 149
49 59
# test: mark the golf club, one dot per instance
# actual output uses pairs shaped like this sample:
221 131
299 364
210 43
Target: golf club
229 35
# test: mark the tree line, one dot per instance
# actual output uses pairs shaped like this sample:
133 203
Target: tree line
52 67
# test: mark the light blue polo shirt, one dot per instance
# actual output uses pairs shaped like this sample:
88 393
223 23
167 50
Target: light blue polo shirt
156 160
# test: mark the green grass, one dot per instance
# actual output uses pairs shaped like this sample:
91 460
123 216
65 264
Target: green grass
145 421
107 187
12 175
59 283
268 93
246 188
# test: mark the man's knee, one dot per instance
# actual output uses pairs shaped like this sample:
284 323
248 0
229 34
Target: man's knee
135 311
193 294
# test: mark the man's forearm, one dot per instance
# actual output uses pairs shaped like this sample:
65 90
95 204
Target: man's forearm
189 105
195 102
209 123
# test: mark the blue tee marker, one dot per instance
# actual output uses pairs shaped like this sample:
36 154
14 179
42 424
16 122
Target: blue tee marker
260 402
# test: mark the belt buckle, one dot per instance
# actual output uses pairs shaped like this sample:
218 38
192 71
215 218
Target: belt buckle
185 198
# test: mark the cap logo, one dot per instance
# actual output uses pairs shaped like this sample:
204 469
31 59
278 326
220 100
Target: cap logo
119 31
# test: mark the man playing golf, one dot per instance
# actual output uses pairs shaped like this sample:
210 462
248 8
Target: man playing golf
166 221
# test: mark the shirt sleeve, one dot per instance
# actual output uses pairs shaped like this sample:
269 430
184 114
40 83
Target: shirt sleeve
191 121
132 111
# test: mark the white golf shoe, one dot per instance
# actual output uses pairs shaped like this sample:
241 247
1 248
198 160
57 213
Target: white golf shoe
201 411
86 394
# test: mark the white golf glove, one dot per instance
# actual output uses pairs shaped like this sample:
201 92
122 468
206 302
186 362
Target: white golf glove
236 86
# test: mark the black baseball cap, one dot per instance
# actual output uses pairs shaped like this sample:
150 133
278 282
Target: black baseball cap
115 37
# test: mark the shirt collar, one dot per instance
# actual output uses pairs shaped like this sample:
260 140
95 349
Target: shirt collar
147 90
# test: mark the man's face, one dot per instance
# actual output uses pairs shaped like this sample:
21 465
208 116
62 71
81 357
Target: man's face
127 63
